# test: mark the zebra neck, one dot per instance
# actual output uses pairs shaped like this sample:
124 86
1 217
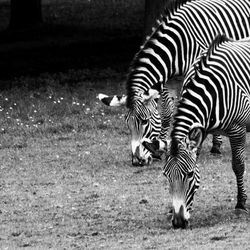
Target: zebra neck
186 118
167 53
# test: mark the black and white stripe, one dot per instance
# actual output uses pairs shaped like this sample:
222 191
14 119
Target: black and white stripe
215 98
180 37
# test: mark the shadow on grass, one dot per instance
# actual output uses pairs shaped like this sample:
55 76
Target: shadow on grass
217 215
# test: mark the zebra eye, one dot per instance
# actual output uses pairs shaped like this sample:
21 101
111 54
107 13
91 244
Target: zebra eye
144 122
190 174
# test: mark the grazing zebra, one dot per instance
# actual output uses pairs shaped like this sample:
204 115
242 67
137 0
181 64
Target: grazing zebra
215 98
181 35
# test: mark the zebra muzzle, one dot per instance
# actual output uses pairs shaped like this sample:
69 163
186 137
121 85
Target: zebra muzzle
137 161
179 220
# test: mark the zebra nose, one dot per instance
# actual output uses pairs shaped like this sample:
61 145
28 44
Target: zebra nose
136 161
179 223
178 220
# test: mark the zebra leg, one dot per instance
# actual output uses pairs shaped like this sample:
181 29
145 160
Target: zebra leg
217 141
238 141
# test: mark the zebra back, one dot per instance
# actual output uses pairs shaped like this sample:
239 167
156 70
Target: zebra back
216 91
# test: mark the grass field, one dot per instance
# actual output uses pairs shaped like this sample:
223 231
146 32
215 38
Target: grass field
66 179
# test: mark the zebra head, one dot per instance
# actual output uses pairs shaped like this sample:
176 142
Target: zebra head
143 121
183 174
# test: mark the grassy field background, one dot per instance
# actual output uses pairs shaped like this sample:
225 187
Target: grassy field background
67 181
66 176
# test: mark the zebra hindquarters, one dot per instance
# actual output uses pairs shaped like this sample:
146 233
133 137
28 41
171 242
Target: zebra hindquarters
237 137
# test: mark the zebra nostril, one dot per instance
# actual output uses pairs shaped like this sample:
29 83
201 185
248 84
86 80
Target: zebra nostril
150 160
142 162
135 161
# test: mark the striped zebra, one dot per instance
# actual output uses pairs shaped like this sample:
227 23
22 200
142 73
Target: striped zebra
215 98
180 37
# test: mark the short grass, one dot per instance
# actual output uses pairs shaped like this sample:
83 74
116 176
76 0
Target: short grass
67 181
66 177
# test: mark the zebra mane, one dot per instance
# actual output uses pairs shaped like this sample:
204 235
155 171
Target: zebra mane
170 8
219 39
173 5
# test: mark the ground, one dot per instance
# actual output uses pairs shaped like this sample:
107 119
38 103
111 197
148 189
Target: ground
66 179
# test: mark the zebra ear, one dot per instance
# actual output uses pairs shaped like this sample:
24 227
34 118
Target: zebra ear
151 95
114 101
195 137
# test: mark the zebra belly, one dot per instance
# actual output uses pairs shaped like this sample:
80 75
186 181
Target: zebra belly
218 132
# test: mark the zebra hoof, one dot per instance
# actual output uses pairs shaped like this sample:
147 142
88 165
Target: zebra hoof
240 209
215 150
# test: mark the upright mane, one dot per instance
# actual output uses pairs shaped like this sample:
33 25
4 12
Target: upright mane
172 5
219 39
170 8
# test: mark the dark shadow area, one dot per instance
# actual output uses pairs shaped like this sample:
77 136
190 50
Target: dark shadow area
217 215
59 48
78 35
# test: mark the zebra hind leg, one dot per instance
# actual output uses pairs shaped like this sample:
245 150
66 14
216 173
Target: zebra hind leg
238 141
217 141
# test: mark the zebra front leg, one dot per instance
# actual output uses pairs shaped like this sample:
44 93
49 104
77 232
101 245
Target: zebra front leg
238 142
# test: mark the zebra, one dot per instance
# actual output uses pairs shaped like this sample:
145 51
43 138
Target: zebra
215 98
182 33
